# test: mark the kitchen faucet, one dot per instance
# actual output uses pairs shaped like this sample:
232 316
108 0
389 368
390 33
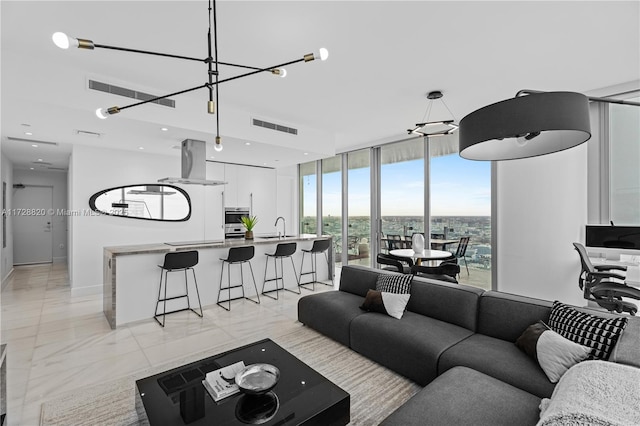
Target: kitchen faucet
284 226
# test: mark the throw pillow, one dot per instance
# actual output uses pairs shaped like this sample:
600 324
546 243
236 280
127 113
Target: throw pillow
390 296
599 333
386 303
554 353
394 283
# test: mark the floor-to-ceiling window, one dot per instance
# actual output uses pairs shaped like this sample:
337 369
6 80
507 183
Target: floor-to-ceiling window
332 202
401 193
357 242
460 205
308 198
624 158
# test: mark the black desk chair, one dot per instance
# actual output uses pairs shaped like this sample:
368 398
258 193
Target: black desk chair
395 263
319 246
176 262
283 250
237 256
595 282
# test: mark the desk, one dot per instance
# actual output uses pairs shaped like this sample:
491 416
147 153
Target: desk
422 255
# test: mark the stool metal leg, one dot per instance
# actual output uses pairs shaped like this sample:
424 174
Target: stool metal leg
295 274
164 301
312 272
254 285
326 256
221 288
264 280
195 281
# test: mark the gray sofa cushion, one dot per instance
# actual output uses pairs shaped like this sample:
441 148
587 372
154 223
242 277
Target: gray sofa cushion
359 279
452 303
409 346
500 359
330 313
462 396
506 316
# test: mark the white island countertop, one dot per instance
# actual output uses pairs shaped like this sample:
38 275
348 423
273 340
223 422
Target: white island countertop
131 273
169 246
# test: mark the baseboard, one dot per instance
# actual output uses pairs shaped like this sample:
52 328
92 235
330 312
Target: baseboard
5 280
86 290
62 259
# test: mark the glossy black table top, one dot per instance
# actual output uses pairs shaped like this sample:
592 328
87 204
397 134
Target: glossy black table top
302 395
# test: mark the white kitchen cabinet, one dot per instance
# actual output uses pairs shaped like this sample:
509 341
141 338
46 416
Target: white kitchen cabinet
213 203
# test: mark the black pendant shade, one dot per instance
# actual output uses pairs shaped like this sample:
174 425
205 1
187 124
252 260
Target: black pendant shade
525 126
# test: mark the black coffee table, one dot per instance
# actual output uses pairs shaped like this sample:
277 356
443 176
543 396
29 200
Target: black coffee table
301 397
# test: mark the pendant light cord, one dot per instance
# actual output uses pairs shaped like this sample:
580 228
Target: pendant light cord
215 50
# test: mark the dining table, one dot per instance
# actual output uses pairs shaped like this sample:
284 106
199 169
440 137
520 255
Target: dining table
418 257
439 243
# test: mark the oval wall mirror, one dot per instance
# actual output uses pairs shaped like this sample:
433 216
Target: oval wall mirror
161 202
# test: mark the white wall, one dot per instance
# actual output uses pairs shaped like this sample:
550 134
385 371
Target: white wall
6 261
542 210
58 181
94 169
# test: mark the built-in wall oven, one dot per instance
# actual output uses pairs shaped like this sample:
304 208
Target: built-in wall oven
232 225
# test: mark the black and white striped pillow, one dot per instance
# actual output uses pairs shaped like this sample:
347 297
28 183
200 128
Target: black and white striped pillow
599 333
394 283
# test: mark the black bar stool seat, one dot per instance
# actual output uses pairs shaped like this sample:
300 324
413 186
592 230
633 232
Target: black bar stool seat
237 256
319 246
283 250
176 262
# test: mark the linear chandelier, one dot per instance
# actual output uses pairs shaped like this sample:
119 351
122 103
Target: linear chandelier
213 81
532 123
434 128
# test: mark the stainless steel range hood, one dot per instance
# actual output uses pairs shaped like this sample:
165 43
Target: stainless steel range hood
194 165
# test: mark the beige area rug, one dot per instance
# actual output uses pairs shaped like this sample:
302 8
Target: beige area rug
375 391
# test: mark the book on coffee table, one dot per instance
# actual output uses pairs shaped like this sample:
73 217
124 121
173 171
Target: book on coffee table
220 383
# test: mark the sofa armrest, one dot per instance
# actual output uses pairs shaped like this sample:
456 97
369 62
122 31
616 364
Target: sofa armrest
626 350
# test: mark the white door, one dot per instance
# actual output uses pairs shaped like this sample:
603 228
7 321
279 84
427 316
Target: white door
32 236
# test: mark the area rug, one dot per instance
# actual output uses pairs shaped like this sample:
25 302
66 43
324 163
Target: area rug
375 390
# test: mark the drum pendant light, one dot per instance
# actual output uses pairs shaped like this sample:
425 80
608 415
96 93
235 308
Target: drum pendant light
525 126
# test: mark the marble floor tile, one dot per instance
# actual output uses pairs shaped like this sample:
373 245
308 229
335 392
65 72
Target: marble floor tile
58 343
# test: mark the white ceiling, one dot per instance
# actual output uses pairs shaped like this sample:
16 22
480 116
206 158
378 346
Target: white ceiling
384 57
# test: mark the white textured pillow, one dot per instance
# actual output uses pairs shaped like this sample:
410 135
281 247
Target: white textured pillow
395 303
557 354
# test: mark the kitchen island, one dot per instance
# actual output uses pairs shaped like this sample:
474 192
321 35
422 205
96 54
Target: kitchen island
131 275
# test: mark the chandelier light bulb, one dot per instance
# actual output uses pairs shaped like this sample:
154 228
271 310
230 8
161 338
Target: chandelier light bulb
218 145
61 40
101 114
323 54
283 73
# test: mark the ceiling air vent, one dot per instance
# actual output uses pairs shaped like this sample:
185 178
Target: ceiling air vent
129 93
88 133
274 126
32 141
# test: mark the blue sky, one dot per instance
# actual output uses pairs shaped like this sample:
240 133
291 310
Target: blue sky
459 187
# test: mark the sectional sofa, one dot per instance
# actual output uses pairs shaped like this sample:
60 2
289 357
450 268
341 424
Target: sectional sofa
457 341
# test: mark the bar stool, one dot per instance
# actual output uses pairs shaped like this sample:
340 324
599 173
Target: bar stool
282 250
237 256
319 246
176 262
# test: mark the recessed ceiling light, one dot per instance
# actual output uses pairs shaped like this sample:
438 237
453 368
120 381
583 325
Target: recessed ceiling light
30 168
212 157
141 147
34 145
247 143
164 129
28 133
306 153
40 159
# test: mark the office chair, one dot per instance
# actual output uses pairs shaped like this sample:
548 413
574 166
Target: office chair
445 271
595 283
395 263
